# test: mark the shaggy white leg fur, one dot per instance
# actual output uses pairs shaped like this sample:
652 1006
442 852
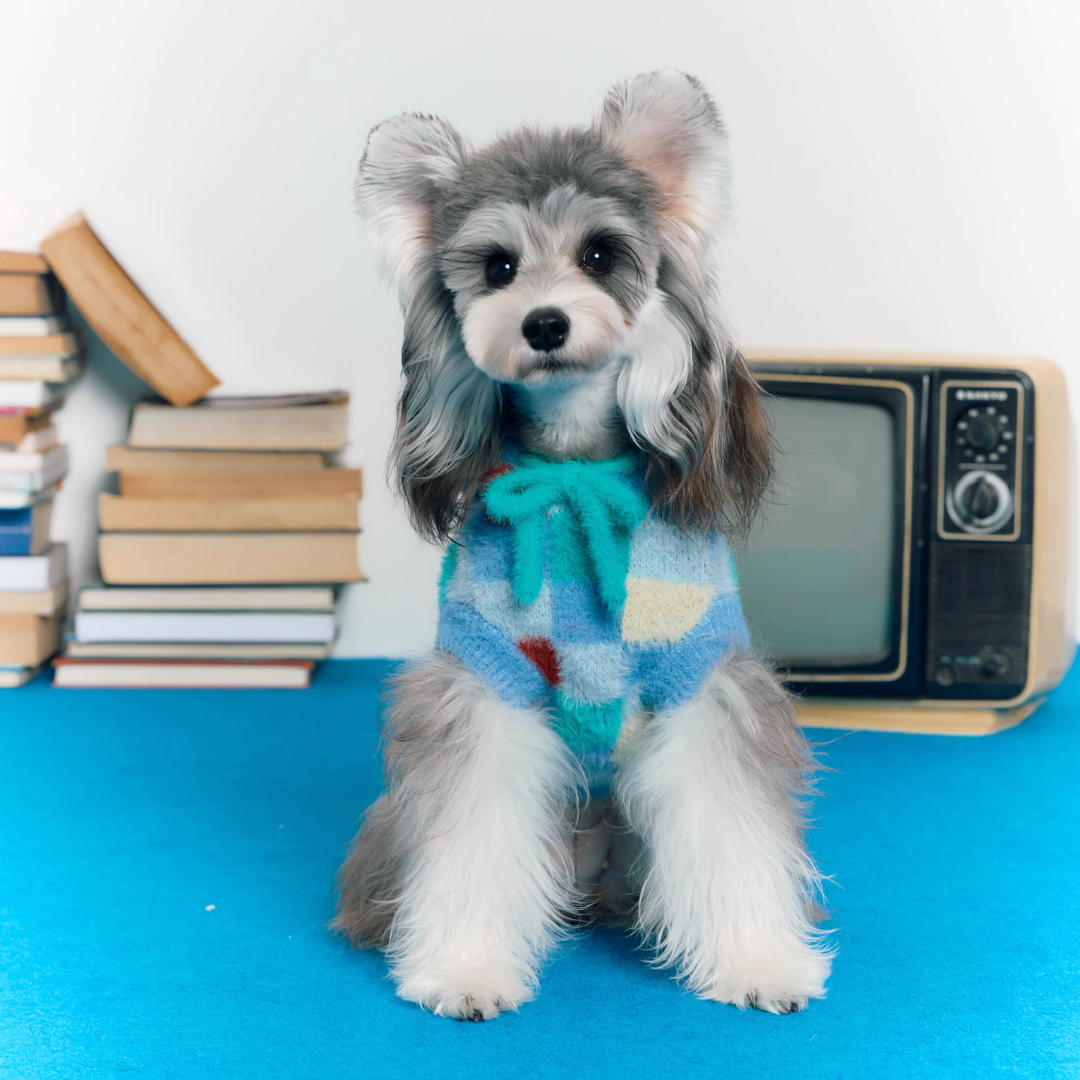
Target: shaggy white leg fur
488 869
711 788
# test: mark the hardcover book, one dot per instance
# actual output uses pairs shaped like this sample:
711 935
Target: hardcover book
26 531
126 321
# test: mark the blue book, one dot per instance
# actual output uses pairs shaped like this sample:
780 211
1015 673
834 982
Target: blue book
25 531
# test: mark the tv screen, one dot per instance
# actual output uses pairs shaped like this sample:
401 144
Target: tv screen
816 578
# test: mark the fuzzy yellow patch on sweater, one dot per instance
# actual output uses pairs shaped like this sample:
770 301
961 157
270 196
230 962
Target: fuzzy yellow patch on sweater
663 610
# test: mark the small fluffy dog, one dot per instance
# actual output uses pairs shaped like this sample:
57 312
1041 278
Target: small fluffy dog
592 738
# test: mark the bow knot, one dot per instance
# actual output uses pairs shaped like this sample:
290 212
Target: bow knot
604 508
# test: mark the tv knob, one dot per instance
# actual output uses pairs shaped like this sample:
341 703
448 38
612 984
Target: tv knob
982 433
981 502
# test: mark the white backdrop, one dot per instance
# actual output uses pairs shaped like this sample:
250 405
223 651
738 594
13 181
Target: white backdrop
907 176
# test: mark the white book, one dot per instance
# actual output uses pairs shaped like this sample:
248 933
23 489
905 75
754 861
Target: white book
17 461
207 598
16 500
32 472
32 325
204 626
179 673
33 573
155 650
29 393
50 369
11 677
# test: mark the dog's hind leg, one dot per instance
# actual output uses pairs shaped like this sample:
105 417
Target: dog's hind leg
476 815
714 789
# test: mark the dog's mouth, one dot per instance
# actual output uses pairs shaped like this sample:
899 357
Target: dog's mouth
547 365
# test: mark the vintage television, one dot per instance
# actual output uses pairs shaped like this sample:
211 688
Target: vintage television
913 569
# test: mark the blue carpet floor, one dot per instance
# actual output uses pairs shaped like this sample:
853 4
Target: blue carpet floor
125 815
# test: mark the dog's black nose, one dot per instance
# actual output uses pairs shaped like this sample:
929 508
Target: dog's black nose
545 329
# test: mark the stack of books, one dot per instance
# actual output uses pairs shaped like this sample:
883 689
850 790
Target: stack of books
39 357
220 552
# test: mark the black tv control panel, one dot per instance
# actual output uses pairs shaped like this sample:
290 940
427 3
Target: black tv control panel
981 451
979 565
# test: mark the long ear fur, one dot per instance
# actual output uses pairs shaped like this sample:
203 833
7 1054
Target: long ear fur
688 397
409 162
449 432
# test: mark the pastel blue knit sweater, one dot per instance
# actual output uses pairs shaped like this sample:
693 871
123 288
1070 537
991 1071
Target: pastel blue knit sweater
563 591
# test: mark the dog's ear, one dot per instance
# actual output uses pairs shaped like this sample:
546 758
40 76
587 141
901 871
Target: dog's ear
689 399
665 124
449 431
691 404
409 162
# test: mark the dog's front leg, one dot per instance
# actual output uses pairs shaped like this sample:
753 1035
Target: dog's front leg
713 788
479 792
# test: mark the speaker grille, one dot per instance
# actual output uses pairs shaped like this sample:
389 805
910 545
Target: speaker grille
978 616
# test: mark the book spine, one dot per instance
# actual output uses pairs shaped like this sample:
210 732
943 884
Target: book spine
17 531
16 541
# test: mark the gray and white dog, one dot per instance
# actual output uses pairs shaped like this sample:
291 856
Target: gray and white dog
558 291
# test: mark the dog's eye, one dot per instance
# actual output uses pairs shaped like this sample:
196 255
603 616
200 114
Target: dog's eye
500 270
597 258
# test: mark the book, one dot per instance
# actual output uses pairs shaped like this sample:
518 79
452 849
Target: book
16 425
22 262
121 513
32 472
34 573
12 677
31 325
37 441
26 531
228 558
45 368
205 626
30 393
34 602
15 499
123 317
28 294
219 598
215 427
280 674
46 461
56 345
28 640
247 483
153 650
126 457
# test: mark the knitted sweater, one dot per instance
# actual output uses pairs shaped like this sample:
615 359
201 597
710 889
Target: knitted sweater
563 591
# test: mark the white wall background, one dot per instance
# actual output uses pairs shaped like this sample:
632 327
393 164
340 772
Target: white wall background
907 176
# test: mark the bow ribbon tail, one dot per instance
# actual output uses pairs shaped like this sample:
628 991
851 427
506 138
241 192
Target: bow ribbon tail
528 574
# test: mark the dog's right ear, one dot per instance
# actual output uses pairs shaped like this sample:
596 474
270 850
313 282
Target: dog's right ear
409 163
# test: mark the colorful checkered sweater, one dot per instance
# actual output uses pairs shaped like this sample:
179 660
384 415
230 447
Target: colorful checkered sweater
563 591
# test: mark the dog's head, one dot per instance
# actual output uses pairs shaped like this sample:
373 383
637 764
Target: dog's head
548 255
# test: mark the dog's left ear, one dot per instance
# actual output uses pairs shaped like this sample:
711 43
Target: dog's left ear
665 124
409 162
691 405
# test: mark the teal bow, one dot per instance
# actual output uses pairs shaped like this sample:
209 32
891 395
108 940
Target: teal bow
604 509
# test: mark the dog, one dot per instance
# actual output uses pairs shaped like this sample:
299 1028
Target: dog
593 739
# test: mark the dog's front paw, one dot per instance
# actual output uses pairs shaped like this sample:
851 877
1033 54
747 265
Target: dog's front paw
774 980
469 994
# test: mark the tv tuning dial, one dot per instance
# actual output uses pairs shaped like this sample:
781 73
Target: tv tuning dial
982 433
981 502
